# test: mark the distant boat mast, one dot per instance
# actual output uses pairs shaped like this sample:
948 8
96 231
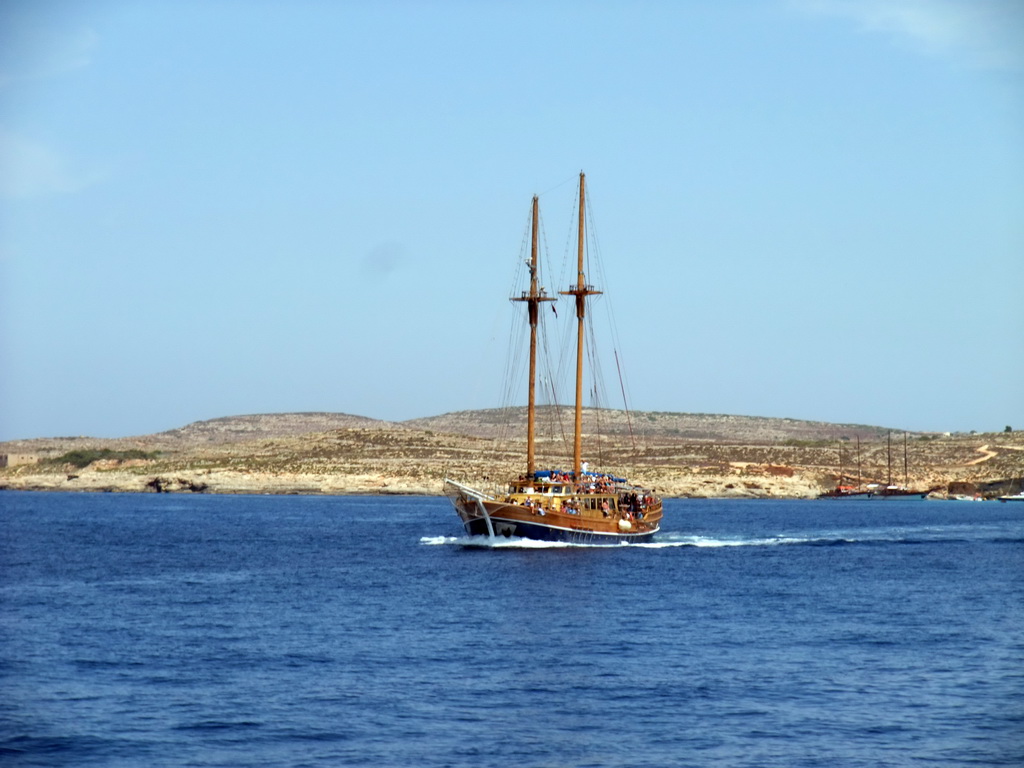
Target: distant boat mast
906 472
888 453
859 480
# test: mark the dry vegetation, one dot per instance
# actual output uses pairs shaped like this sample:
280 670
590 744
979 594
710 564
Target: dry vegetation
680 454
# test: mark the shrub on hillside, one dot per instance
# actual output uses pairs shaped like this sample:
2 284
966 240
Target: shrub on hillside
83 457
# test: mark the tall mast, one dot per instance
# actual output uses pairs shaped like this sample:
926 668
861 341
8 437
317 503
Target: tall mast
889 454
906 475
859 481
840 461
533 298
581 290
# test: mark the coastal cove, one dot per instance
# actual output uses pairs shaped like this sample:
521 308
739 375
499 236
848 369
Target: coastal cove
681 455
265 630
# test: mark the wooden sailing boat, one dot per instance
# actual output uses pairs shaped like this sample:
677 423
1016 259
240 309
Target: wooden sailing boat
890 490
847 491
578 506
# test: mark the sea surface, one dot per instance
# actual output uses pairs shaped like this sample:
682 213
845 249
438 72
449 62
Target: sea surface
179 630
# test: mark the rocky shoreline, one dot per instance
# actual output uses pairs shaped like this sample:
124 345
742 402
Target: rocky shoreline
232 483
738 480
345 455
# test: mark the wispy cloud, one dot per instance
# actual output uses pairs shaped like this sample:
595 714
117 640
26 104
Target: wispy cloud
29 169
30 51
985 33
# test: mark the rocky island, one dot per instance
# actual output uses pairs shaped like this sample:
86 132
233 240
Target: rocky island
682 455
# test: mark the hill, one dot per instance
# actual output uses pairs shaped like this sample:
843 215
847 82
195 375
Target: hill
660 425
681 454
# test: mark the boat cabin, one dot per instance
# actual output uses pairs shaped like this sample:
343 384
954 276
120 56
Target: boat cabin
597 496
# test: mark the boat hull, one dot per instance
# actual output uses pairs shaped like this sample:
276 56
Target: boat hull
486 516
882 494
898 495
537 531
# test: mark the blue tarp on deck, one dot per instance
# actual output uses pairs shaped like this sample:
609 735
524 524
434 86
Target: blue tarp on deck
547 473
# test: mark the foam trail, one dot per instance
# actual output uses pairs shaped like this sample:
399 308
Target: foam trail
434 541
483 542
670 541
677 540
708 542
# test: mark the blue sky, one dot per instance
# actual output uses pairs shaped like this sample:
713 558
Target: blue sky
809 209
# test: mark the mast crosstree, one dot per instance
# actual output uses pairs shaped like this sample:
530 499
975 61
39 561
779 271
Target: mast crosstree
581 290
533 299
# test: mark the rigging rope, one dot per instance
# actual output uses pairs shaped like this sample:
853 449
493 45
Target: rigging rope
553 378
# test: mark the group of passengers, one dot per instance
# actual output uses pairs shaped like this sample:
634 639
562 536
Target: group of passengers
634 504
591 484
569 506
630 506
537 507
599 484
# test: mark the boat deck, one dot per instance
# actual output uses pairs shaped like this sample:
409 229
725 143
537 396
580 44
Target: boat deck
597 506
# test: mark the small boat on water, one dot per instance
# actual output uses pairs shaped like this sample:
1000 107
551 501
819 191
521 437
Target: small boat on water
1013 497
574 505
889 490
873 490
846 491
894 491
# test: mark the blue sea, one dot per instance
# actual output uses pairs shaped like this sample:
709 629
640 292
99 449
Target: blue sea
180 630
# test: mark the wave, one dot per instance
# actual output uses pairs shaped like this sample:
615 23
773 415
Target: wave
667 541
678 540
482 542
823 540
